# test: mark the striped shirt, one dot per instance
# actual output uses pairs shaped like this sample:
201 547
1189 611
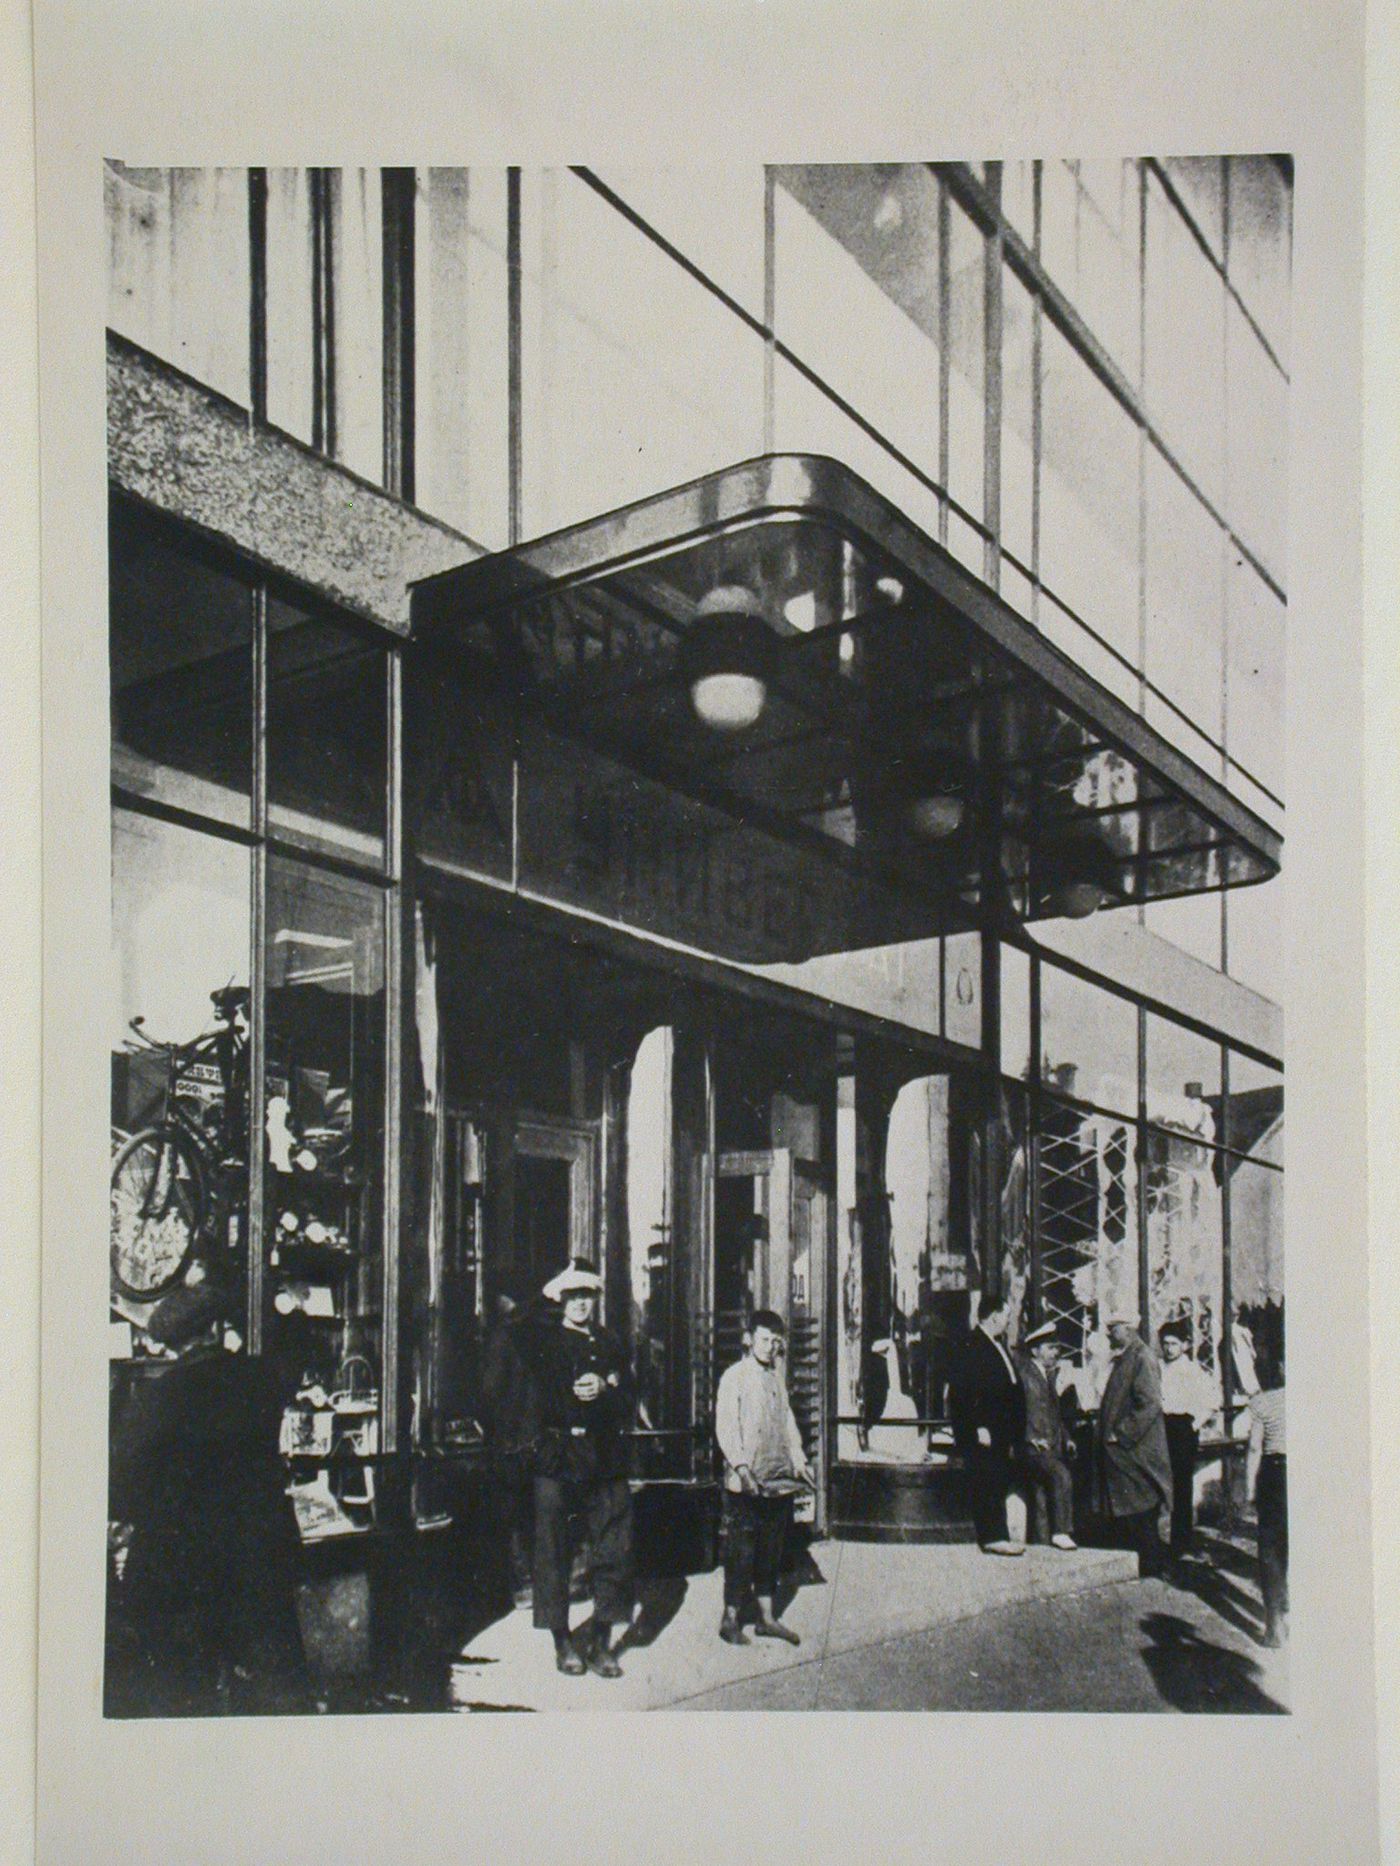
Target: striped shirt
1266 1410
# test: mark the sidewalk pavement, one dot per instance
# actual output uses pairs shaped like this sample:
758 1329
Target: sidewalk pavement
848 1595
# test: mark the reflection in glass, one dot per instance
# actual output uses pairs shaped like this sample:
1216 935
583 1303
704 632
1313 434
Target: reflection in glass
1088 1041
1089 496
1254 1117
633 375
327 716
1087 1185
1256 1227
324 1137
1185 1241
179 933
1183 1079
967 350
866 238
181 674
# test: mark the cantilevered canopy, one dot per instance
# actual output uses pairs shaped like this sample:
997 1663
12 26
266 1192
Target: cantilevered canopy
923 758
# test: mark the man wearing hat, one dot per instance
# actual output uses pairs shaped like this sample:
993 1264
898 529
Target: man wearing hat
583 1395
196 1478
1188 1400
765 1464
1043 1454
1131 1441
989 1413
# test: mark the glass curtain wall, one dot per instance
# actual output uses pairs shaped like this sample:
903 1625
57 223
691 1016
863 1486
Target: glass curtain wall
253 895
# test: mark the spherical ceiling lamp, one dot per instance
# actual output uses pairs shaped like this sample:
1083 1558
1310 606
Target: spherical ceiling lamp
727 658
931 788
1081 877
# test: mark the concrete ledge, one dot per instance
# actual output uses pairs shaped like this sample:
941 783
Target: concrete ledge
198 457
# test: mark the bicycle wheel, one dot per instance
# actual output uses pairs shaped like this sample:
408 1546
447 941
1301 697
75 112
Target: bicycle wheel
158 1207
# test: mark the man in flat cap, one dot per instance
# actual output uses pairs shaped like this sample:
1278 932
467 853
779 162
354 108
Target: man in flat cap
1043 1454
197 1481
1131 1442
765 1465
583 1397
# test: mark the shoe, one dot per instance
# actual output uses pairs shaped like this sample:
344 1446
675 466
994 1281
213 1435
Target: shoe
774 1629
730 1630
602 1662
1063 1542
567 1659
1003 1548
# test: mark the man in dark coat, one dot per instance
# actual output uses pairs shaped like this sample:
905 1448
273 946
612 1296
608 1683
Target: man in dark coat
584 1395
1043 1454
197 1483
1134 1468
989 1417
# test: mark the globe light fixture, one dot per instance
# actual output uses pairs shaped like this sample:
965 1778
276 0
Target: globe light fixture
1082 877
727 658
930 790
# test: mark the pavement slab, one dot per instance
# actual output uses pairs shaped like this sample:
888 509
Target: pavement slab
848 1597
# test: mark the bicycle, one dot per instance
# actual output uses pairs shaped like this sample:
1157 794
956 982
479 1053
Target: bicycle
168 1177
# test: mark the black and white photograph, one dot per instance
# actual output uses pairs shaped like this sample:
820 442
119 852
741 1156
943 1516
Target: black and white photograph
696 1014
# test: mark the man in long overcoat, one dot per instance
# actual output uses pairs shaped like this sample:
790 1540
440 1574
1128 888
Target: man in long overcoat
584 1399
989 1418
1134 1468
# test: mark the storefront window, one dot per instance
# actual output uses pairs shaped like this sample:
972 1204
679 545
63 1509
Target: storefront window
633 375
649 1232
327 714
1088 1042
180 917
1088 496
1087 1185
175 237
1185 1241
323 1232
182 674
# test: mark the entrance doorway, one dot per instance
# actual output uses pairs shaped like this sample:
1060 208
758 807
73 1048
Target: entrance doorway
554 1173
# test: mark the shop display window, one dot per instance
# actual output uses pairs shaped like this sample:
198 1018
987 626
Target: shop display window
327 726
1087 1205
1185 1242
324 1160
179 1191
181 635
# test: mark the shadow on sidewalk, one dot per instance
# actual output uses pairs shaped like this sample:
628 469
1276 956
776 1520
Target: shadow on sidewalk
1195 1674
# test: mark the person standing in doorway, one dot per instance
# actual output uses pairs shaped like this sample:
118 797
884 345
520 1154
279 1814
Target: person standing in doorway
989 1421
1051 1484
1188 1400
765 1464
583 1397
1131 1442
1266 1474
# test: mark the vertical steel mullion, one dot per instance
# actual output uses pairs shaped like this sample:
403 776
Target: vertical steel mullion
395 950
1035 1116
770 310
323 386
1144 1267
945 235
1037 400
257 981
1226 1320
992 252
398 191
513 350
257 293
